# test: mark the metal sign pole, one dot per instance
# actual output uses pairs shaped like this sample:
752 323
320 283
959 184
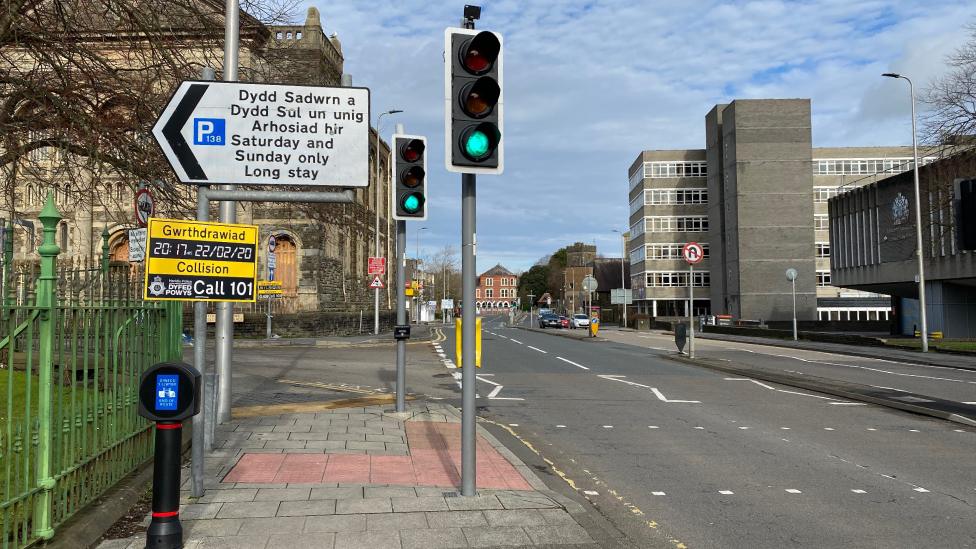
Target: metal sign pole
202 424
469 242
691 310
401 315
228 214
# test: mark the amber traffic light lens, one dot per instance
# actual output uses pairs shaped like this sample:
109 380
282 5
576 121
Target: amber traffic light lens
412 176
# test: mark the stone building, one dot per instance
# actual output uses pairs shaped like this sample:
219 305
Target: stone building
321 251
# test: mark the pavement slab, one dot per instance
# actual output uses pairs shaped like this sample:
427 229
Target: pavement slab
318 489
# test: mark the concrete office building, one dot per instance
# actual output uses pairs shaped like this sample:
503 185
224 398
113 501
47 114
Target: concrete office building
873 241
755 197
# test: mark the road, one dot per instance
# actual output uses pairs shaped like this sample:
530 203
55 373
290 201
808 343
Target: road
681 453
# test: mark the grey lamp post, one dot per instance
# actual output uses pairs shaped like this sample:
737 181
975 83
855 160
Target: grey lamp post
623 282
417 269
923 317
376 182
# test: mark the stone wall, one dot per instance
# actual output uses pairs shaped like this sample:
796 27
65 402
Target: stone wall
306 324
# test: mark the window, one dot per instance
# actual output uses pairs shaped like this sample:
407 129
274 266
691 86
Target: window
676 196
489 281
820 222
637 255
671 224
489 293
822 194
823 278
637 229
477 292
677 279
676 169
637 202
823 249
669 251
864 166
685 168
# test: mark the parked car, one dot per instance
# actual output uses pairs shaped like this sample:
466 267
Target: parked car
580 320
563 322
549 320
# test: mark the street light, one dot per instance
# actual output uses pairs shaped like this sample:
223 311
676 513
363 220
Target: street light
623 283
918 219
417 270
376 291
791 275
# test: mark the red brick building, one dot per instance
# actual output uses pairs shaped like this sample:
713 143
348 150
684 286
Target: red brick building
497 289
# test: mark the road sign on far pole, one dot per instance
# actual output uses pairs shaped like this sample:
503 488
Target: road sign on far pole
266 134
377 283
376 266
693 253
145 206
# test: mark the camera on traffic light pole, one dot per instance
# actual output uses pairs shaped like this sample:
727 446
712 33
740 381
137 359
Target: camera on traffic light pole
473 114
409 177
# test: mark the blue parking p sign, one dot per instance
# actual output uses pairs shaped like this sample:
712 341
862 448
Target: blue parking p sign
209 131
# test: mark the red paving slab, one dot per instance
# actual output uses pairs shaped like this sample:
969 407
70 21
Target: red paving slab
434 460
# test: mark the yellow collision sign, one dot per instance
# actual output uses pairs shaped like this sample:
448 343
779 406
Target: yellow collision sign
200 261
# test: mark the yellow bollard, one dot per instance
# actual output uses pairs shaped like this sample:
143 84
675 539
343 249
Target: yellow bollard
594 326
477 342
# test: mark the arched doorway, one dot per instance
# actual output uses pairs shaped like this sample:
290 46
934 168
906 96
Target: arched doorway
286 269
118 248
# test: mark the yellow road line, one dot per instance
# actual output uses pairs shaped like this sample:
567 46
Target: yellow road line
572 484
311 407
330 386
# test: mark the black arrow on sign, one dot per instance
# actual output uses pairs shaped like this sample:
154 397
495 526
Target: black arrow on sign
171 131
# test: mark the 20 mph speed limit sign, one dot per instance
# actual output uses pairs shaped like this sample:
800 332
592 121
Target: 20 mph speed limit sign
693 253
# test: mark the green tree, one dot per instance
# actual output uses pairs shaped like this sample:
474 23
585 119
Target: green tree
535 281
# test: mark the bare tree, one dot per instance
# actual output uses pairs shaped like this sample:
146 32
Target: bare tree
951 119
81 83
443 265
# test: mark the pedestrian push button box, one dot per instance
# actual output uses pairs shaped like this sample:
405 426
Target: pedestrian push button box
170 391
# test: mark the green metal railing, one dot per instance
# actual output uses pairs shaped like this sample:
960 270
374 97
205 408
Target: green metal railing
75 340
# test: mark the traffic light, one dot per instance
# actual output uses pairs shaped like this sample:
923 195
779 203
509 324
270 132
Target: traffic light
965 203
473 101
409 177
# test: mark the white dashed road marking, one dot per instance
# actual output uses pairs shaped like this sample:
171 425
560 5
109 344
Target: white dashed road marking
516 341
859 491
793 491
771 388
726 492
591 492
920 489
538 349
654 390
573 363
658 493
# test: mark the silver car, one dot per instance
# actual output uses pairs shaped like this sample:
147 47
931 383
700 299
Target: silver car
580 321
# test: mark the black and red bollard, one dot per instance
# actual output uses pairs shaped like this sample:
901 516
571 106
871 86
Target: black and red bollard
168 394
165 530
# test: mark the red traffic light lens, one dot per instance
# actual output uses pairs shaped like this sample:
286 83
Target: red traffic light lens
478 55
478 99
412 150
412 176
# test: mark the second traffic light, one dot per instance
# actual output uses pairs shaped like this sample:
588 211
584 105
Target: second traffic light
473 101
409 200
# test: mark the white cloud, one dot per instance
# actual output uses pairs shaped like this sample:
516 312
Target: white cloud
590 83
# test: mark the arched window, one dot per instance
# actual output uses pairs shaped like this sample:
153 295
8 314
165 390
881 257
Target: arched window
286 269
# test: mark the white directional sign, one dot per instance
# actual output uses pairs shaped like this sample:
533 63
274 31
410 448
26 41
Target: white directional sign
266 134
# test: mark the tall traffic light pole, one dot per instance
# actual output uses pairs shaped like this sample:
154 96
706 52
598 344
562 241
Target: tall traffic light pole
473 145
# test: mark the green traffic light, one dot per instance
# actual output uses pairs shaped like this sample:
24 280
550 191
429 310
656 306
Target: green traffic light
477 144
411 203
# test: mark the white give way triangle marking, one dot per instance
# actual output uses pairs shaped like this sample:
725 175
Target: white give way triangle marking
493 395
660 396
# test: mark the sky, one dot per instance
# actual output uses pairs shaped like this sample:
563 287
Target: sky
589 84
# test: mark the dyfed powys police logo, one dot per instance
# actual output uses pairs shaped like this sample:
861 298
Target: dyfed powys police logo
157 287
899 210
